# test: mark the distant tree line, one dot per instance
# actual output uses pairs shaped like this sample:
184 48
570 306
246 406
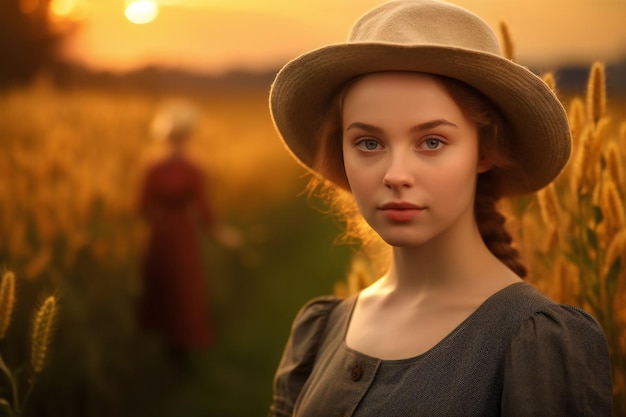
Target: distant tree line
28 40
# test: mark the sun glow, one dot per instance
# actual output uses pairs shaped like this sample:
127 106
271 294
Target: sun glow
62 7
69 9
141 11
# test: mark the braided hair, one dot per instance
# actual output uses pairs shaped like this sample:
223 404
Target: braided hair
494 138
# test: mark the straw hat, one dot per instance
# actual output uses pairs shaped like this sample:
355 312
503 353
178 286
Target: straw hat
176 118
432 37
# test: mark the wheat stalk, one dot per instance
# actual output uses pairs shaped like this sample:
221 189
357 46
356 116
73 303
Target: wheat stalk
549 205
596 92
576 117
508 49
42 333
568 281
614 164
616 248
7 301
549 79
612 206
582 163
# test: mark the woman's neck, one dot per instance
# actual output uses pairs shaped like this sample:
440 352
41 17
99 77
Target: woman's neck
455 263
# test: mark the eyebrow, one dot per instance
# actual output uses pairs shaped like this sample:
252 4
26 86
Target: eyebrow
417 128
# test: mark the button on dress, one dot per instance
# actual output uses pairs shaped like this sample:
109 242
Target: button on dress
518 354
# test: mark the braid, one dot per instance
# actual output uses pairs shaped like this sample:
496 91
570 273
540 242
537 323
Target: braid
491 224
494 145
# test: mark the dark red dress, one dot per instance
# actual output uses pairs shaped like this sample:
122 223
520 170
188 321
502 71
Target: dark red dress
174 300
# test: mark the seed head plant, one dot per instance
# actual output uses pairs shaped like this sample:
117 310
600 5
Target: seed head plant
582 262
11 402
42 333
508 49
7 301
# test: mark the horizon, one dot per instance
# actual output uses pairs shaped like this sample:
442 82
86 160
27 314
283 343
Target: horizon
219 36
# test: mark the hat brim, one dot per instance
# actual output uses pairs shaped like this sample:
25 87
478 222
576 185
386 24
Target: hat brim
304 88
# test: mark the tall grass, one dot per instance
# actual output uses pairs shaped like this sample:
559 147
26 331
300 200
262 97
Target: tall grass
70 155
22 378
580 223
71 162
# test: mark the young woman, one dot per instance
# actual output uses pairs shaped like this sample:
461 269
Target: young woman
420 118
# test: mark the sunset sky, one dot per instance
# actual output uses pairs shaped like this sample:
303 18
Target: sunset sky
214 36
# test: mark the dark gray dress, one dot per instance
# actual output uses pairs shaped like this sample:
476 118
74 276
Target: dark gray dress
518 354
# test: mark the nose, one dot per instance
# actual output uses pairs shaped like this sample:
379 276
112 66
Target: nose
398 174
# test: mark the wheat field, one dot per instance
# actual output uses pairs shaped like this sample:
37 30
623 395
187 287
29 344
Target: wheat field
71 162
573 232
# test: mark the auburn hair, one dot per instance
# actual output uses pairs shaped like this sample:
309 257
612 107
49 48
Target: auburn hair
494 136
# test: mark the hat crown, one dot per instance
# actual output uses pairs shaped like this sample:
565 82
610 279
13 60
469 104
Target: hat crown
425 22
433 37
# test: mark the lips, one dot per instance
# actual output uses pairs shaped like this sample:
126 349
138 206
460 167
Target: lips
400 211
400 206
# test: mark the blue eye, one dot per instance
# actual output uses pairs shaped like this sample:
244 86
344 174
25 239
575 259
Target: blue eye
432 143
368 144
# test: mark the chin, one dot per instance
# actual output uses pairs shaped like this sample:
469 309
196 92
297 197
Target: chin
402 241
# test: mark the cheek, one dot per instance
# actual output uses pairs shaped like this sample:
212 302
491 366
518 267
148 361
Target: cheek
458 184
356 176
352 169
362 181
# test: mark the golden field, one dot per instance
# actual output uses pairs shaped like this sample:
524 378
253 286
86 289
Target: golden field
573 232
71 163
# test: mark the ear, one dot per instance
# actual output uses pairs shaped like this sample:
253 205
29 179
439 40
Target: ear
483 165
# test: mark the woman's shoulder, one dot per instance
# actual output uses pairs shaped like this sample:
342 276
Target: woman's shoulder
531 305
313 316
552 323
557 361
298 359
524 315
555 335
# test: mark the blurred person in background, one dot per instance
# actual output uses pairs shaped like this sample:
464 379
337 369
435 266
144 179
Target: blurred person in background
174 301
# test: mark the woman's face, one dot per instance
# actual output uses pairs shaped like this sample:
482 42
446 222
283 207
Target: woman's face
411 157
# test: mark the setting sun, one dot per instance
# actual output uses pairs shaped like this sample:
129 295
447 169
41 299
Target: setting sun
69 9
142 11
122 35
62 7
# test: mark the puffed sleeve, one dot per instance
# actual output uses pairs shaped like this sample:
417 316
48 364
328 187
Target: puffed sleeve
299 354
558 365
